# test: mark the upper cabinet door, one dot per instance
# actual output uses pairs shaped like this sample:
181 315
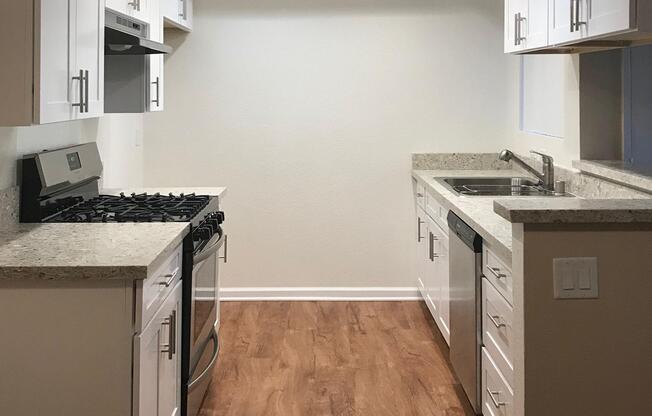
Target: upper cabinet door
89 55
566 20
534 25
609 16
514 11
178 13
140 9
57 87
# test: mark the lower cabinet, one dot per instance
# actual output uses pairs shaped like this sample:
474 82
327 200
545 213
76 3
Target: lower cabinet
157 361
433 269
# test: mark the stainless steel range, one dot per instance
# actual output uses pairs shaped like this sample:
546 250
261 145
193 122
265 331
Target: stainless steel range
63 186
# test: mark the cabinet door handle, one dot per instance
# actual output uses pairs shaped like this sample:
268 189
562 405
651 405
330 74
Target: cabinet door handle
494 320
578 23
80 78
572 17
171 347
169 278
419 223
157 83
433 255
492 395
86 91
516 29
496 272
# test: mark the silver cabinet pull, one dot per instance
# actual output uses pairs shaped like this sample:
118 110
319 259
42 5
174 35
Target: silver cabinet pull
496 272
171 347
516 29
182 14
419 223
80 78
226 248
521 38
578 23
169 278
572 17
494 320
433 255
496 403
86 91
157 83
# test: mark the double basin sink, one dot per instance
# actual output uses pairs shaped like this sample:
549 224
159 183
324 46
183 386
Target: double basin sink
498 187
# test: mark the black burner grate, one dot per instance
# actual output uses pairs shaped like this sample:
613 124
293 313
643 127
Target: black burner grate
134 208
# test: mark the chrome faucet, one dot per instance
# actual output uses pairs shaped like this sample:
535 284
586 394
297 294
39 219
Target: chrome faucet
547 178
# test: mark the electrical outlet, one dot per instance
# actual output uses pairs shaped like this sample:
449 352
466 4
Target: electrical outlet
575 278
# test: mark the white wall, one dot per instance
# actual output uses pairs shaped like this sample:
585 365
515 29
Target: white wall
309 112
119 139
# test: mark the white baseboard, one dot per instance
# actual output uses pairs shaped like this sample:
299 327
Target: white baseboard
319 294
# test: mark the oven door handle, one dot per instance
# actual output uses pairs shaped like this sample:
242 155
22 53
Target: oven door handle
211 364
211 249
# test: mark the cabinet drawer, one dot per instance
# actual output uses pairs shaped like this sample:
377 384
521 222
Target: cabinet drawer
497 335
497 395
157 287
498 273
437 212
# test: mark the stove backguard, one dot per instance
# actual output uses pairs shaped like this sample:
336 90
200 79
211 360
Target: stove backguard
56 179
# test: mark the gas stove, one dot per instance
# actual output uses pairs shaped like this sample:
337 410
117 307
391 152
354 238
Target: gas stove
62 186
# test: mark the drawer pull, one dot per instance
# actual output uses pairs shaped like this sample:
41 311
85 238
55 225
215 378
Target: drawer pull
496 272
492 396
495 320
169 278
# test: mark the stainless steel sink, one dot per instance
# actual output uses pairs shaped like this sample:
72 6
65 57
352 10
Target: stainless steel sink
497 187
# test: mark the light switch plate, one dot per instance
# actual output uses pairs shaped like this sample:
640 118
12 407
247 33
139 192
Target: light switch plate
575 278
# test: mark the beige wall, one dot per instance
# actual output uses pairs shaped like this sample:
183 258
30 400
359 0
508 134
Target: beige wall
309 113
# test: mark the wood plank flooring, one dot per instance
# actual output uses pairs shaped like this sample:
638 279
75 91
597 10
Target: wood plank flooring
332 358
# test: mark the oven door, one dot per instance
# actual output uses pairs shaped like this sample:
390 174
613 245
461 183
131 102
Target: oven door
204 297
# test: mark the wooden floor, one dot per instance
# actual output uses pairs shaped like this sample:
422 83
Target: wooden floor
332 358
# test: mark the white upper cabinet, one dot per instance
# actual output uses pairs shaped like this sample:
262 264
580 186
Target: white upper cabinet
156 62
566 21
135 8
178 13
567 26
610 16
526 25
68 60
89 55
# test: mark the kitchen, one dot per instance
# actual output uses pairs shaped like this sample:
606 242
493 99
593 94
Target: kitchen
325 121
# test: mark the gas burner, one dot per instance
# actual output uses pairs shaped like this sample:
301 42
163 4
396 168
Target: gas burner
132 208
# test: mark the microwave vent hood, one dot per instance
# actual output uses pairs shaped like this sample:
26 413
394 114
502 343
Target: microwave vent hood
124 35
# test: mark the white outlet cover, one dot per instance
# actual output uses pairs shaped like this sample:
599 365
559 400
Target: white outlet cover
575 278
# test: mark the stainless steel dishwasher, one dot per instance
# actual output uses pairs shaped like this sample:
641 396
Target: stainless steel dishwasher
465 306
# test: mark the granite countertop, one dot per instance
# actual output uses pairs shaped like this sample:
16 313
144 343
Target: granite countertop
219 192
574 210
477 212
87 251
619 172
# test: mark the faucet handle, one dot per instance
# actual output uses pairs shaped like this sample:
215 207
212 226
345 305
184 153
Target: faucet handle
546 158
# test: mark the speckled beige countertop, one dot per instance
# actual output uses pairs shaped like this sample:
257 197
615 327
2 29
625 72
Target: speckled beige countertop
87 251
477 212
574 210
219 192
